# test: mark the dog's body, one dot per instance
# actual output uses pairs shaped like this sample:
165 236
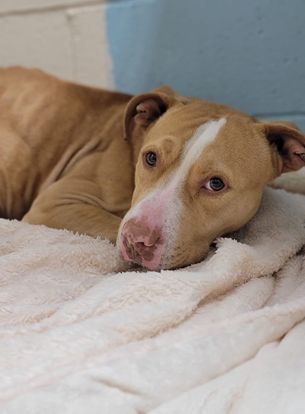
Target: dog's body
200 167
64 162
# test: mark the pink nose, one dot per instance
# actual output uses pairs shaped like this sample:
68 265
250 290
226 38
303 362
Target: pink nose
141 244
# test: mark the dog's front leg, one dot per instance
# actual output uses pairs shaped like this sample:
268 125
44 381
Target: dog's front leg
74 205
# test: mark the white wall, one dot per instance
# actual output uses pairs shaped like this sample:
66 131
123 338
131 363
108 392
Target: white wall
64 37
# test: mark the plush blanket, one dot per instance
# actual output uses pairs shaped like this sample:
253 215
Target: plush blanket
80 334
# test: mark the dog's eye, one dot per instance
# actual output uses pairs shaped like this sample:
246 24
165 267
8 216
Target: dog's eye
151 158
214 184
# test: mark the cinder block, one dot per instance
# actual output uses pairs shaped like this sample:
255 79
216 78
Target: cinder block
92 61
13 6
41 40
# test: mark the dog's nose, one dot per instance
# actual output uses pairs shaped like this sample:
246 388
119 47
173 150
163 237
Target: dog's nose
140 243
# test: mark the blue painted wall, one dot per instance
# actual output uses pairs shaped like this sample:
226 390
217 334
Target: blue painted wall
246 53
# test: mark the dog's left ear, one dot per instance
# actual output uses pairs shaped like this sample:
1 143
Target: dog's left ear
289 143
143 110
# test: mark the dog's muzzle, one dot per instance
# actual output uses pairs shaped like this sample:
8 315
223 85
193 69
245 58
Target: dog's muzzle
142 244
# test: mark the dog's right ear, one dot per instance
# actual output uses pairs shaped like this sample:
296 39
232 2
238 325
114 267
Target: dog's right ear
143 110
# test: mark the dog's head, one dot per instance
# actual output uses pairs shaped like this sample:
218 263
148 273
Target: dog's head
200 173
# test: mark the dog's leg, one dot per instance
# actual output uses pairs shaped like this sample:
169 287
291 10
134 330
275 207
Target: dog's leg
77 206
79 218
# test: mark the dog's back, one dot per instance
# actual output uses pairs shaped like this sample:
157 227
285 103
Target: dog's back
46 127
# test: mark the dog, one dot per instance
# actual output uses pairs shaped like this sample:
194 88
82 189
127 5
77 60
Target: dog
159 174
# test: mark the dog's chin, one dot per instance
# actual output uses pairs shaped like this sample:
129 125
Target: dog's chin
174 265
176 262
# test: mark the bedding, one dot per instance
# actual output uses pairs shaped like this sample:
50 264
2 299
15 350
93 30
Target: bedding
82 333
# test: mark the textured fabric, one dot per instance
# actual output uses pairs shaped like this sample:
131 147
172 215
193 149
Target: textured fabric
225 335
293 181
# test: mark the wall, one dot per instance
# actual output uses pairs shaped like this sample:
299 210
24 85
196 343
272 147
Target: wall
65 37
247 53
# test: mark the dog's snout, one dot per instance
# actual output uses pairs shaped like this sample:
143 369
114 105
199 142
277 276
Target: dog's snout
140 243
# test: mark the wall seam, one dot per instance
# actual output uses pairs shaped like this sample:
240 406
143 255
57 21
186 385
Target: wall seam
52 9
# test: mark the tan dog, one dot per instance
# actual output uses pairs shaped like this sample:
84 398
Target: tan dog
200 167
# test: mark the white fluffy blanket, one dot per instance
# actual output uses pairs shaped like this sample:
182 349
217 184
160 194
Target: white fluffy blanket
224 336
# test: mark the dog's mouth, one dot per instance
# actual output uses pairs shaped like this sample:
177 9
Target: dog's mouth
148 261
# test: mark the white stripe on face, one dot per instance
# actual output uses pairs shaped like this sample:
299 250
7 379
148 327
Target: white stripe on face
163 205
203 136
193 148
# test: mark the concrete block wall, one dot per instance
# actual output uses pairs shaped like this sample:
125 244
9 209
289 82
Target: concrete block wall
64 37
246 53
